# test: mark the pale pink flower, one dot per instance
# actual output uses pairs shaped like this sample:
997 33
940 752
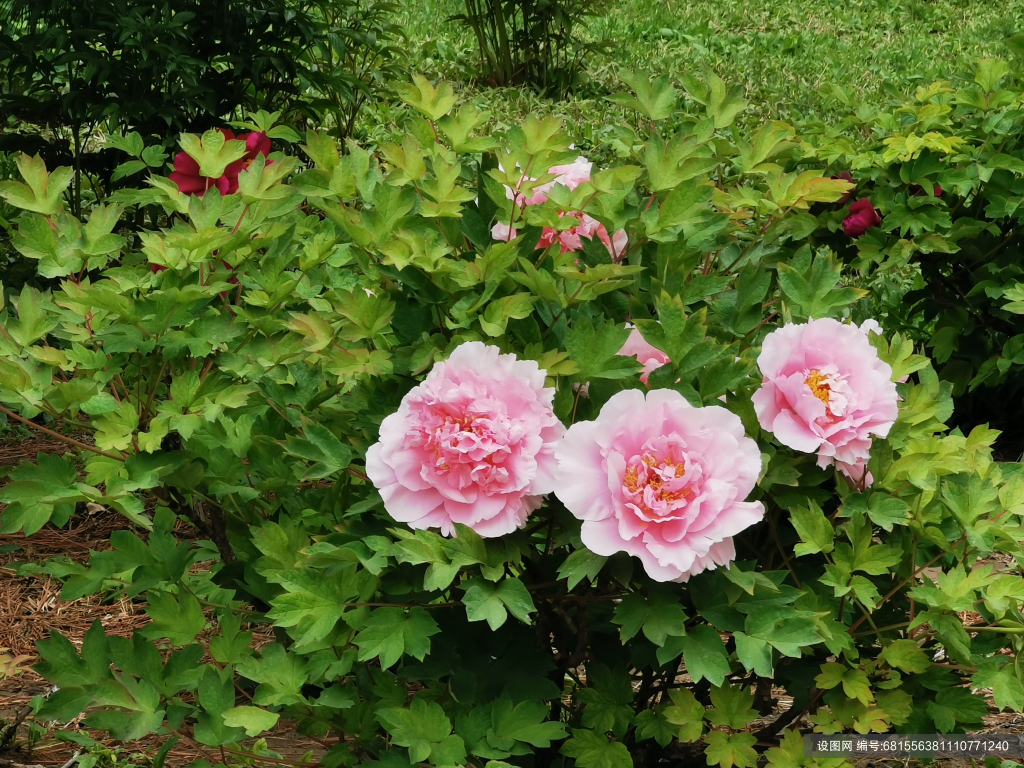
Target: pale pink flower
570 240
664 481
856 474
473 444
825 390
570 175
649 356
871 326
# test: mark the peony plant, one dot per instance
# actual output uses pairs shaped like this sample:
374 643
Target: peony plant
504 502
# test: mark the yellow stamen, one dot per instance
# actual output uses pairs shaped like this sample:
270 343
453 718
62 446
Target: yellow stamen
818 385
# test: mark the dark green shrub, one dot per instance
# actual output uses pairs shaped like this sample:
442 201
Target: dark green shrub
945 172
71 71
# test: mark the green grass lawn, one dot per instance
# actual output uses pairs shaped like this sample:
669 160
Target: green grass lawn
788 54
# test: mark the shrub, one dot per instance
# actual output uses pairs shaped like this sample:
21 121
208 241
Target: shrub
355 55
529 43
944 172
296 367
110 66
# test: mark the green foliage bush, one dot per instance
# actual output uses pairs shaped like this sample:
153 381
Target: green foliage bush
239 387
75 70
964 142
539 45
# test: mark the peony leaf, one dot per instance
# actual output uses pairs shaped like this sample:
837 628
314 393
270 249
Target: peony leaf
704 655
731 749
253 719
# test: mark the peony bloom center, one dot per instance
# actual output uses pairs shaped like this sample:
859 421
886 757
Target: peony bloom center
658 483
831 387
470 442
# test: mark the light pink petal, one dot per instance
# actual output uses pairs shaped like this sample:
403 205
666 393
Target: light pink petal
794 433
581 483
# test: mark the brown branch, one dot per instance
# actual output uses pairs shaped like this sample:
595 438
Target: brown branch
59 436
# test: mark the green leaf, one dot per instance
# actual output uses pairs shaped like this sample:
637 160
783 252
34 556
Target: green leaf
62 665
950 630
433 102
815 531
34 321
686 713
423 729
212 151
37 492
179 619
655 99
493 602
495 318
630 614
731 707
907 656
811 287
854 681
595 349
723 103
591 750
956 705
42 192
312 601
989 73
580 565
754 654
608 699
322 447
390 632
280 675
1001 677
704 655
886 511
253 719
525 722
789 753
731 749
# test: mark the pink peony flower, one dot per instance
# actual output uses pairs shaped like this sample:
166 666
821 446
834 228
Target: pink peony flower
664 481
863 217
571 175
825 390
569 239
473 444
649 356
856 474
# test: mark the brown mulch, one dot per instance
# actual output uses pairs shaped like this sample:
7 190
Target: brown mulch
31 606
14 453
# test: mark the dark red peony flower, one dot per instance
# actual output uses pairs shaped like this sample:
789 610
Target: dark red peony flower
191 182
915 190
863 217
186 170
845 176
256 144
